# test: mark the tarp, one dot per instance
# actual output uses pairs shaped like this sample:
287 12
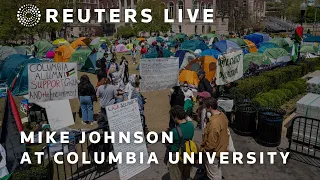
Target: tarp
210 52
266 45
21 84
63 53
256 58
193 45
255 38
79 42
43 47
121 48
226 45
8 65
6 51
251 46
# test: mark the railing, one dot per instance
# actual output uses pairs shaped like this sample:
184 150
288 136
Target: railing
67 171
304 140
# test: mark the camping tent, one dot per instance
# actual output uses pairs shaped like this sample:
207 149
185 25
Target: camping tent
225 45
59 42
26 50
153 53
184 57
255 38
281 42
266 45
239 41
21 84
43 47
266 37
309 49
121 48
251 46
256 58
206 63
6 51
91 62
79 42
193 45
277 55
80 56
63 53
210 52
8 65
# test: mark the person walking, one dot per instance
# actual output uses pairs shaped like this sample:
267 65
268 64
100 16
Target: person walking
215 138
179 171
126 69
107 94
87 95
134 54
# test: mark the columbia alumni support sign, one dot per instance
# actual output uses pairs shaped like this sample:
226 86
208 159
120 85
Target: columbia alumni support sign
230 68
52 81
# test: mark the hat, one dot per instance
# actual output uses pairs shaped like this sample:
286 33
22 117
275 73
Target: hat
204 95
201 72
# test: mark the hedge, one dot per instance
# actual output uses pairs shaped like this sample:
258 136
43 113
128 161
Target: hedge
275 98
266 81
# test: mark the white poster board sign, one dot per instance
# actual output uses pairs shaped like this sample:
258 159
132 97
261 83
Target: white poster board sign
59 113
158 73
125 117
52 81
230 67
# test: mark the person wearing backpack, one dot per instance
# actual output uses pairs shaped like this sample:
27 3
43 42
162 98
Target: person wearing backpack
215 138
183 133
113 66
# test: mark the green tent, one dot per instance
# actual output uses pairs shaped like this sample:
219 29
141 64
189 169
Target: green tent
80 56
21 84
256 58
282 43
6 51
90 64
43 47
8 65
239 41
309 49
275 53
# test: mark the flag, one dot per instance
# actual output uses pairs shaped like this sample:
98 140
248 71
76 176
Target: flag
71 72
298 34
294 52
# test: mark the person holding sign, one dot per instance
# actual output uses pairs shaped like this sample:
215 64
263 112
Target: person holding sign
87 95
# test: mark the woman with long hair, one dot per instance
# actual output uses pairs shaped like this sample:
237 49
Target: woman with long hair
87 95
107 94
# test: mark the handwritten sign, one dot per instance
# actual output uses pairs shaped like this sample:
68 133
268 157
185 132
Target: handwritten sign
230 67
125 117
52 81
158 73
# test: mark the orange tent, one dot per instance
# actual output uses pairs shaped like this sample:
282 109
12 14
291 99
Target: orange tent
251 45
63 53
206 63
79 42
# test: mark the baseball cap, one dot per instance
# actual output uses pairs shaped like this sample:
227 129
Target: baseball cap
204 94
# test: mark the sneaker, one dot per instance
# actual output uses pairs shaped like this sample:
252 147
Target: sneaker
85 123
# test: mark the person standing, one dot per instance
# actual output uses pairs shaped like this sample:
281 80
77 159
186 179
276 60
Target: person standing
143 51
87 95
113 66
215 138
126 69
134 54
204 84
179 171
107 94
176 98
103 63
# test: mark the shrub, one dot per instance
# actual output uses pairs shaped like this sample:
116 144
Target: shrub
300 84
304 68
260 102
292 88
272 99
280 94
287 92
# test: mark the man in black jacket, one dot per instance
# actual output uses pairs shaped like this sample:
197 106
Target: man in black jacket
204 84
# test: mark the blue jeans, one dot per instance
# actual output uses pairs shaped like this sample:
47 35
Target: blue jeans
86 108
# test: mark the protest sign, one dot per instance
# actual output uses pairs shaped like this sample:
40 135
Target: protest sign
52 81
125 117
158 73
230 67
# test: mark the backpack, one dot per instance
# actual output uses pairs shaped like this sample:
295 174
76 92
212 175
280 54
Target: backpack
187 145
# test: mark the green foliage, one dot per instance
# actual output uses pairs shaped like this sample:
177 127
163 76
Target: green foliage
32 173
287 92
294 90
157 11
126 32
260 102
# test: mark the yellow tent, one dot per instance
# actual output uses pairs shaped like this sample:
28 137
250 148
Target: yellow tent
251 45
79 42
206 63
60 41
63 53
129 46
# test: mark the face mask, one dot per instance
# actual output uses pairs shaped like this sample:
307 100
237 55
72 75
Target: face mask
208 115
185 89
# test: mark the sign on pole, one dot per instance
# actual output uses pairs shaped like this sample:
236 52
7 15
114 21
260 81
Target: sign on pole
230 68
52 81
158 73
125 117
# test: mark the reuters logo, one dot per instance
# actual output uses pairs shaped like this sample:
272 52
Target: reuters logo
28 15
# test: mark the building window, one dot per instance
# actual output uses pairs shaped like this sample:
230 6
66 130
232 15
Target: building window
102 5
122 3
180 29
128 3
79 28
171 10
195 4
88 1
202 7
236 4
209 29
195 29
180 6
85 7
202 29
244 3
71 29
209 6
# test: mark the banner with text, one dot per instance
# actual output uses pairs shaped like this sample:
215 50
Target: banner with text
158 73
230 67
52 81
125 117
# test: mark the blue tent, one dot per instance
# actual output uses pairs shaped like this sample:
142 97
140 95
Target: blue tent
193 45
224 45
184 57
8 65
255 38
266 37
266 45
21 84
210 52
312 39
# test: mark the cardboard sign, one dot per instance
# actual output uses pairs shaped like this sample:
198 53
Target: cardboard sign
52 81
158 73
230 67
125 117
